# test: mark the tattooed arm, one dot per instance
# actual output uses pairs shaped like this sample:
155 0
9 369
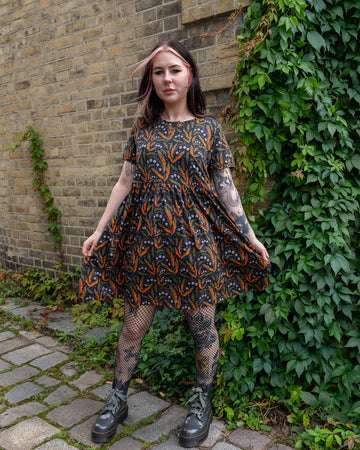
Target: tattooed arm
230 197
119 192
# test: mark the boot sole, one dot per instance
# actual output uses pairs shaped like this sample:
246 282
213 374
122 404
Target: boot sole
188 442
106 436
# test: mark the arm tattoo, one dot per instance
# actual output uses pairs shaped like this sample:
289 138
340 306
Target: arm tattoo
129 168
230 197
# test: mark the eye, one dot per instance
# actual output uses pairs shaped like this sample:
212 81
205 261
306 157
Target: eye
176 70
158 72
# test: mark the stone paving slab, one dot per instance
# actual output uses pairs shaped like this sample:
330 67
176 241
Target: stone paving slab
17 375
56 444
143 405
30 334
126 443
171 444
12 344
48 341
51 360
11 415
68 370
87 380
30 312
6 335
249 439
4 365
82 432
58 320
224 446
75 412
217 432
47 381
26 354
172 419
60 395
22 392
27 434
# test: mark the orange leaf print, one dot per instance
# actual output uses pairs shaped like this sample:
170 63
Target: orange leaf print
179 252
141 251
177 210
143 289
173 158
145 207
158 243
169 230
81 289
201 284
213 295
169 216
149 227
198 245
151 269
182 290
187 137
89 281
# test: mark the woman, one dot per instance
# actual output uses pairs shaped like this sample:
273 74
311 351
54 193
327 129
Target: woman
173 233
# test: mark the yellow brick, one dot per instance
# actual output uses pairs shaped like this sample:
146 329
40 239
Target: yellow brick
198 13
222 82
188 4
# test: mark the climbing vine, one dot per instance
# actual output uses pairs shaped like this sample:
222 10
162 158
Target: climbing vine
294 107
53 215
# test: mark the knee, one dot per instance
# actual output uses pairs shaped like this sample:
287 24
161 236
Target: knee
134 332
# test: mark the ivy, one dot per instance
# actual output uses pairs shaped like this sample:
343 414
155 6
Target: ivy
53 215
294 107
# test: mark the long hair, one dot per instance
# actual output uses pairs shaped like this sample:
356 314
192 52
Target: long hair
150 105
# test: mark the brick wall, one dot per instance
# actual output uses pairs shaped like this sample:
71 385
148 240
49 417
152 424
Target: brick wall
65 68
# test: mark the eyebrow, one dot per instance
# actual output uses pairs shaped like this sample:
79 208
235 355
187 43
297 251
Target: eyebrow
171 67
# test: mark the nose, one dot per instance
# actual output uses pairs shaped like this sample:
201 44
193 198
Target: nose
167 76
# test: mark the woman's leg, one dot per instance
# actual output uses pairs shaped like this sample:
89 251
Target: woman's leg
206 339
137 321
202 328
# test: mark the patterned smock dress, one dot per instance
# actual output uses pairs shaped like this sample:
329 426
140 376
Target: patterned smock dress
172 241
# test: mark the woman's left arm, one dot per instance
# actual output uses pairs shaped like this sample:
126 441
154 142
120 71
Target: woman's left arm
230 197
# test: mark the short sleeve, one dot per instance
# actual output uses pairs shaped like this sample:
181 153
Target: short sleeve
130 148
221 156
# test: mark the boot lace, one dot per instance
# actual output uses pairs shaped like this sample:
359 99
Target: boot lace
115 398
198 402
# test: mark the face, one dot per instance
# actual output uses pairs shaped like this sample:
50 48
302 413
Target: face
171 78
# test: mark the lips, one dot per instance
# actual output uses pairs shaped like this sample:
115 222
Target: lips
169 91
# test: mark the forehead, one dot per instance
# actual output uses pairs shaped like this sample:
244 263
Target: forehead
167 59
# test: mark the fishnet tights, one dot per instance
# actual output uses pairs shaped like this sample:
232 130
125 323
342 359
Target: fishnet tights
137 321
202 328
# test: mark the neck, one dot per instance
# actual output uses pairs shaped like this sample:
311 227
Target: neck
177 115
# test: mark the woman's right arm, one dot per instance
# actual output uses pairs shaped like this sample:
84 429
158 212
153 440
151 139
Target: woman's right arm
119 192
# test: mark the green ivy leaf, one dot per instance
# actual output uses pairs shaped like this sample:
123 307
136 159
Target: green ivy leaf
316 40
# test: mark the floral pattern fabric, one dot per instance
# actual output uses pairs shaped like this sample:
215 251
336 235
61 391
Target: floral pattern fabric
172 241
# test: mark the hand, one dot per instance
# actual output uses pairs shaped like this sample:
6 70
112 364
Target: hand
90 243
260 248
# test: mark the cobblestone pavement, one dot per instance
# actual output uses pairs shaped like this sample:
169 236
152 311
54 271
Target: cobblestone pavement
45 403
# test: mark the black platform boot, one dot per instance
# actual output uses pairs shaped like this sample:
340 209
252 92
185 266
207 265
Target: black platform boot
198 420
115 411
